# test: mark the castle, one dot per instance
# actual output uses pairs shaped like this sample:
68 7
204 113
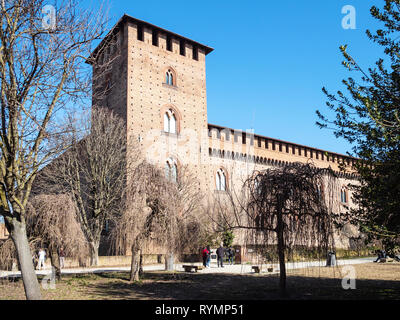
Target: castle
155 80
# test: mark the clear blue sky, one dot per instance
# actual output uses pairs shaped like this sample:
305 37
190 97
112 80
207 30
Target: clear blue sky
271 58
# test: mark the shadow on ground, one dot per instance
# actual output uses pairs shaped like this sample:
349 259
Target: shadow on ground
197 286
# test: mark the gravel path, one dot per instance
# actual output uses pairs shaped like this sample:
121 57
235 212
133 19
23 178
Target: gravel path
230 269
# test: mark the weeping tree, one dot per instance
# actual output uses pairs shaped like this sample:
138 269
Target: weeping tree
158 211
143 216
286 206
52 223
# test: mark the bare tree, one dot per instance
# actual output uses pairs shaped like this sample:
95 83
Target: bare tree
185 212
42 72
94 171
52 223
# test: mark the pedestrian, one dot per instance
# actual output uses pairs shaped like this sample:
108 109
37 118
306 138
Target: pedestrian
220 256
381 255
61 255
34 260
42 258
205 256
393 255
208 257
230 253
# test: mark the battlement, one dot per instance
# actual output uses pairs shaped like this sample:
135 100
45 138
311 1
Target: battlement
247 146
153 35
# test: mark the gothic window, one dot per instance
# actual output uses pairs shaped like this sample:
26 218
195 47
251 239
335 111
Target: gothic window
220 180
343 195
170 122
171 170
320 191
170 78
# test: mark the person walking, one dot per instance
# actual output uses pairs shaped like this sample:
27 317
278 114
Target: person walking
230 253
61 255
208 257
35 260
42 258
381 255
205 256
220 256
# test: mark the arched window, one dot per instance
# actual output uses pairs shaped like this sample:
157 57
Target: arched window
170 77
171 170
220 180
343 195
170 122
320 191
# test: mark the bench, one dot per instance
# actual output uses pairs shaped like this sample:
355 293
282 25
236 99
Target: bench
189 268
257 269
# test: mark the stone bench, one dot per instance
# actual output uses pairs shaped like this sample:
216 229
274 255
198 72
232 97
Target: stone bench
257 269
189 268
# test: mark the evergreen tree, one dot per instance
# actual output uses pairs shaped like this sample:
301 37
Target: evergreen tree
368 117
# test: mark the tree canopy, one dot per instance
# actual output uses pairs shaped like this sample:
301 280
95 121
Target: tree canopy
368 117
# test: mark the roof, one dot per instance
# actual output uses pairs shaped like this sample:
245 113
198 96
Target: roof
127 18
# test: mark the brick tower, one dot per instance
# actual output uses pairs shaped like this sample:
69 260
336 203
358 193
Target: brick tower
156 81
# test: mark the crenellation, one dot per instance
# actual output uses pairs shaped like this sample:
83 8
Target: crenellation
242 140
148 35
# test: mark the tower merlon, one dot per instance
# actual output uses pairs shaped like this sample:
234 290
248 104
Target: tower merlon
152 34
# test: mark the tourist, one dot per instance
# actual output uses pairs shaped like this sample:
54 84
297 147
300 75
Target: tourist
42 258
208 257
220 256
205 256
393 255
230 253
381 255
34 260
61 255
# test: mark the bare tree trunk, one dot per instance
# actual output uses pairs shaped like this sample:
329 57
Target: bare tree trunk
20 239
281 252
94 253
141 264
169 261
55 262
135 264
